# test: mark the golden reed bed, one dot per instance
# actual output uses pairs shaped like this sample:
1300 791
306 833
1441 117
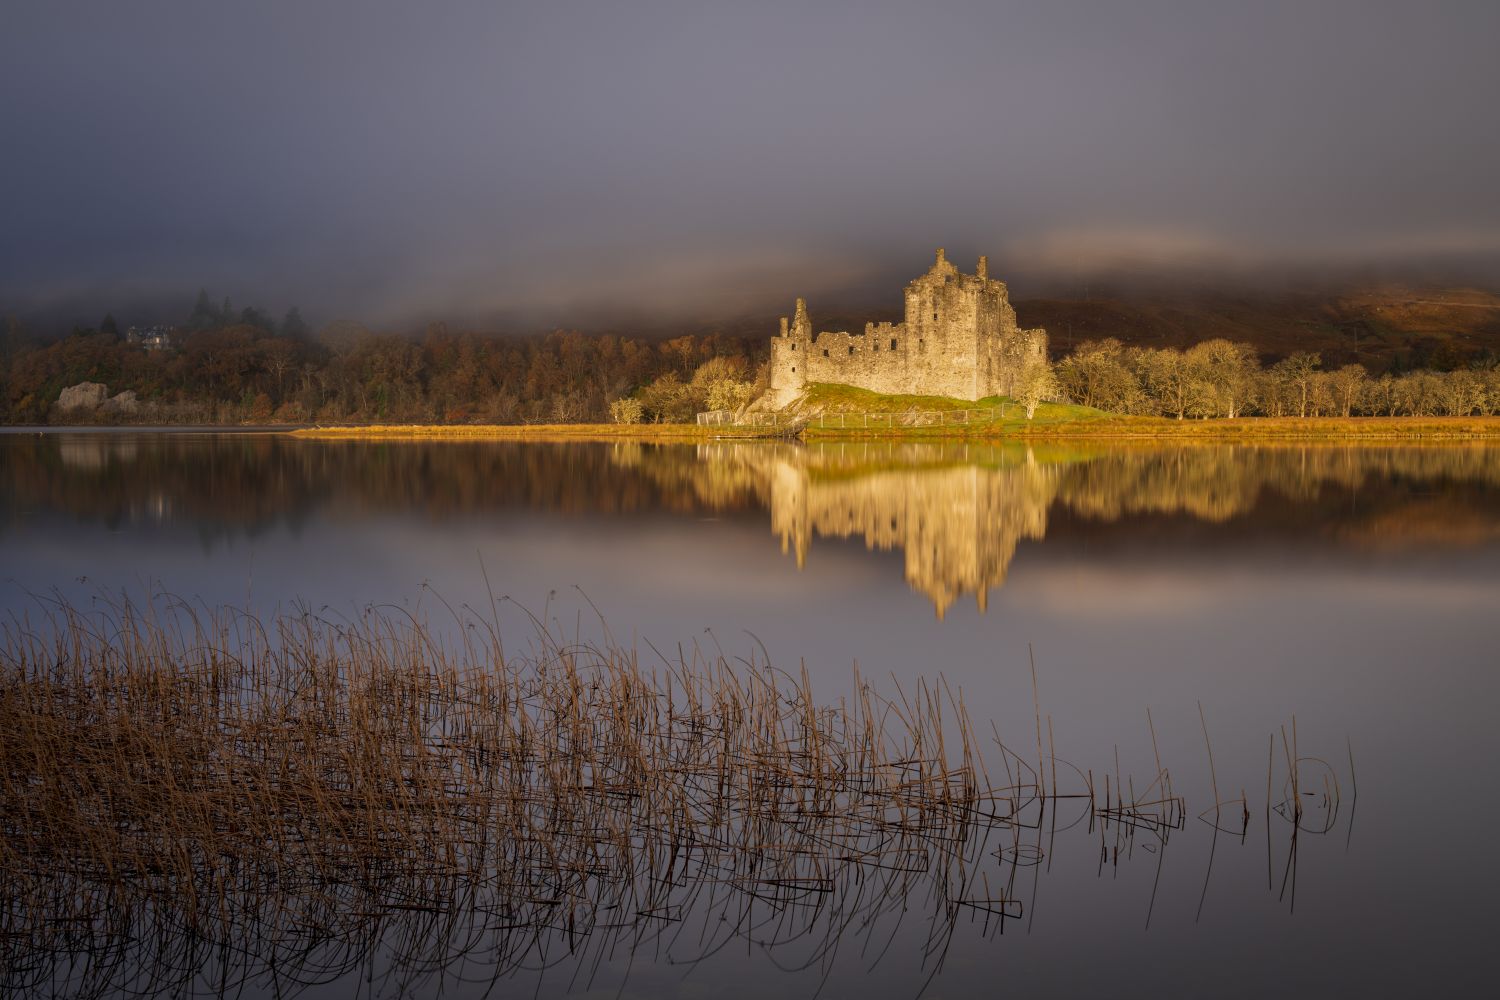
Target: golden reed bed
204 799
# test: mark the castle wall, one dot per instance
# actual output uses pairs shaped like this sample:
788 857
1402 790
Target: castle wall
1006 357
880 359
959 339
865 359
788 370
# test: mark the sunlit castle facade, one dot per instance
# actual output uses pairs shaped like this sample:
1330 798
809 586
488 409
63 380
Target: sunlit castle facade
960 339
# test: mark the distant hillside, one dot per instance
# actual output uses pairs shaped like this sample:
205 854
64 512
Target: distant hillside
1413 327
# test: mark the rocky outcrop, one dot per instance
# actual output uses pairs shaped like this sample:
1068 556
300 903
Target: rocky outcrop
95 396
83 396
124 403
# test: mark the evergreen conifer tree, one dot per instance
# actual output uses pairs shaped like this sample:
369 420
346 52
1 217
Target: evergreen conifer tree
204 315
293 325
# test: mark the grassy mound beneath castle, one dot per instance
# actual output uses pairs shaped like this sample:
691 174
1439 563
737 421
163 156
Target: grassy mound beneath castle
824 399
841 411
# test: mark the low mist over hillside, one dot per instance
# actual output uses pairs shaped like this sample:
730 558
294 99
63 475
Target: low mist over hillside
1381 326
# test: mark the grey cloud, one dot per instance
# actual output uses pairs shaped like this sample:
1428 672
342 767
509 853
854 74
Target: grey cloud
389 161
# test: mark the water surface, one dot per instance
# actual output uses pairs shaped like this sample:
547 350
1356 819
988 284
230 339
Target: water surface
1354 589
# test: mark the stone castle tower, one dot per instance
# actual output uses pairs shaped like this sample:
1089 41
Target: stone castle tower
959 339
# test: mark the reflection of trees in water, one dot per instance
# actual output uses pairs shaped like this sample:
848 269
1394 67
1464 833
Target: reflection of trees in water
207 801
222 483
958 512
1220 483
233 483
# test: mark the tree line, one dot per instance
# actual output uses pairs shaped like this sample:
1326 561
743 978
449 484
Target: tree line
228 367
1219 378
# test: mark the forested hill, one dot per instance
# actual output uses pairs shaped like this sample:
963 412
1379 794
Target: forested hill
1382 328
223 366
244 373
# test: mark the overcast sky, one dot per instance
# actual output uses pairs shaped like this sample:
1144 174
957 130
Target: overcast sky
555 160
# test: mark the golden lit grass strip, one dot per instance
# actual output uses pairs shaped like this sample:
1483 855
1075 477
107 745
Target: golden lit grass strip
1218 429
530 432
1109 427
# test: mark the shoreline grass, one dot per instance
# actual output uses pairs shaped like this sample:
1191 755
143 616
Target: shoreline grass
995 418
530 432
1251 430
1046 426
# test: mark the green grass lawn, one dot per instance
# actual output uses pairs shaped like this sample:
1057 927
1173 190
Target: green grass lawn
1060 420
823 403
825 400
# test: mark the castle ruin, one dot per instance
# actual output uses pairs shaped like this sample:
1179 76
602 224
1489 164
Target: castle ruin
960 339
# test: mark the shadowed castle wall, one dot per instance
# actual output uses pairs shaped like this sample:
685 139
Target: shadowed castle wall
959 338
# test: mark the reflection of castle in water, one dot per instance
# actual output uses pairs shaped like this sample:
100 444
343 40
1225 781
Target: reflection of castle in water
958 525
957 512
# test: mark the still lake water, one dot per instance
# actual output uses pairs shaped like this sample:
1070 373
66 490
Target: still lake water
1353 590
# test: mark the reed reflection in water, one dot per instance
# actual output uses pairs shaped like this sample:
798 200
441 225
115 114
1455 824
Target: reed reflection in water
195 800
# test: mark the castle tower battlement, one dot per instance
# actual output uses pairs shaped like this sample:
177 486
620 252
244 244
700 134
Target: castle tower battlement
959 338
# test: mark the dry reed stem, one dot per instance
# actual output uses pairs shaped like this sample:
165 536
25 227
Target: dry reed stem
190 794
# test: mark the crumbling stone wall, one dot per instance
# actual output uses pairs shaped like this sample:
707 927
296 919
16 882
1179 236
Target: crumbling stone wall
960 338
